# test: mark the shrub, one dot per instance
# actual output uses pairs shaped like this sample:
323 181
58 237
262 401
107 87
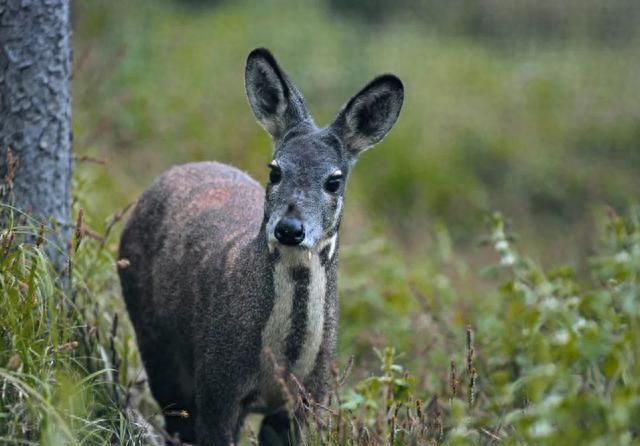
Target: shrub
60 348
555 360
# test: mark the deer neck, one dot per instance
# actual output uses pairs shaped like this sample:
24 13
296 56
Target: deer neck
294 331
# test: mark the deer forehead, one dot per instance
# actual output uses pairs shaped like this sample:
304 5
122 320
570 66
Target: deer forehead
313 151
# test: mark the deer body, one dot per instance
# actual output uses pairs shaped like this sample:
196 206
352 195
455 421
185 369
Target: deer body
232 289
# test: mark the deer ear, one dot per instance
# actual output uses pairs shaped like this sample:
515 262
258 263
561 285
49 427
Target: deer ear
275 101
369 115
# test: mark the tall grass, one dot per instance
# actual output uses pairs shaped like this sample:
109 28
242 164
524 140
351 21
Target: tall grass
60 350
542 358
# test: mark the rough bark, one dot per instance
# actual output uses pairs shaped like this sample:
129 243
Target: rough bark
35 109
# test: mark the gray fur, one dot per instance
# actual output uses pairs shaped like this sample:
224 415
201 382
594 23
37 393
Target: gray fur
219 306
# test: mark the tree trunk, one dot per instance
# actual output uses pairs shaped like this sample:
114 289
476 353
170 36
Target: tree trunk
35 111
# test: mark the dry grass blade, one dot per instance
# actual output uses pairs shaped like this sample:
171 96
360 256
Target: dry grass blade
453 380
90 159
472 391
111 222
346 372
488 433
435 426
79 229
41 235
470 349
12 165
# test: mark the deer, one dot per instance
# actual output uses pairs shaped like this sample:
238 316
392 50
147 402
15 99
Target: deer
231 286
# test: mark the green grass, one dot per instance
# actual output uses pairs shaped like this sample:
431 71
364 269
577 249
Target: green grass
546 131
61 352
542 358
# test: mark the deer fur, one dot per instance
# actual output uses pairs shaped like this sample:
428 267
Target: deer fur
231 289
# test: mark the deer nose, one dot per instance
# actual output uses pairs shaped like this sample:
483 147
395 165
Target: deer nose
289 231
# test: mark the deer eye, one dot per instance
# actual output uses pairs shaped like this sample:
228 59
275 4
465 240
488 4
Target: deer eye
276 173
332 185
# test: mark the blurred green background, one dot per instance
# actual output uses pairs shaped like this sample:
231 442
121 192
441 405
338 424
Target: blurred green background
529 107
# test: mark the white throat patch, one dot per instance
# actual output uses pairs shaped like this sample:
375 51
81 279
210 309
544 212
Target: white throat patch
280 325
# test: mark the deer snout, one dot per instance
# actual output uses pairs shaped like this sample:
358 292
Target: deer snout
289 231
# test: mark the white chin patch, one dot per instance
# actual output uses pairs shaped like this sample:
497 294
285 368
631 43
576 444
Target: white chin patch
331 243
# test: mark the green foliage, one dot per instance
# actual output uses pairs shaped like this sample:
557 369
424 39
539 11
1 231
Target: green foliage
57 373
552 359
564 354
392 381
502 22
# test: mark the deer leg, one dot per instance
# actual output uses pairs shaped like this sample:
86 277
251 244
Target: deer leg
218 426
279 429
220 410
